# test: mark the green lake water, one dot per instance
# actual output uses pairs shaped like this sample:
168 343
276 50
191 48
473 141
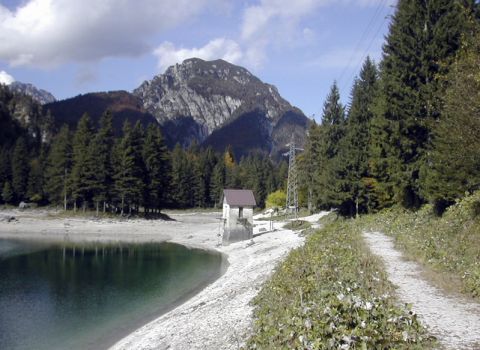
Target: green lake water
87 296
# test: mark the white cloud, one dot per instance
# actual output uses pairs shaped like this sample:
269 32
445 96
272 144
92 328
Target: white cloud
6 78
275 23
226 49
45 33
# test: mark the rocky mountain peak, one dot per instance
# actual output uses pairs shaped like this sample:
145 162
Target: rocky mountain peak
39 95
204 96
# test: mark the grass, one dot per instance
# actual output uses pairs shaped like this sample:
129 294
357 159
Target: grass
449 246
297 225
332 293
284 217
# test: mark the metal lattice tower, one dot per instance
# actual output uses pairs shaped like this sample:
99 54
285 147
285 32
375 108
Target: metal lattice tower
292 190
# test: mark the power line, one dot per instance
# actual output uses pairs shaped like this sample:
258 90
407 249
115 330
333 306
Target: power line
365 32
366 51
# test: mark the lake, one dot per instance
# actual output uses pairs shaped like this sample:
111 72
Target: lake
88 296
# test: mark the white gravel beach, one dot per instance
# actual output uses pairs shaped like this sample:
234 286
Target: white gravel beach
219 316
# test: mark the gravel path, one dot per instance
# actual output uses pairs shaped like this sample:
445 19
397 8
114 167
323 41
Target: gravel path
455 322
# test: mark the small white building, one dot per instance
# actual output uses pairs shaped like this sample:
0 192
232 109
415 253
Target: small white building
237 215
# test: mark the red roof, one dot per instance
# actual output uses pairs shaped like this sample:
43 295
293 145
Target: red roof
239 197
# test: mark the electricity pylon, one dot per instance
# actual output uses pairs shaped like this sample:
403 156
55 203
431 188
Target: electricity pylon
292 188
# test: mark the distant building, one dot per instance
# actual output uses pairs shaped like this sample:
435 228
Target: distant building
237 215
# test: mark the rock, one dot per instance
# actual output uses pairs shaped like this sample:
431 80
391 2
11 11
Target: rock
200 97
7 218
24 205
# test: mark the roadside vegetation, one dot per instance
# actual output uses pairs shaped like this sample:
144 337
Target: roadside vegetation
449 244
332 293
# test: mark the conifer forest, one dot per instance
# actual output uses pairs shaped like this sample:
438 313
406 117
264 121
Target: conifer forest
409 135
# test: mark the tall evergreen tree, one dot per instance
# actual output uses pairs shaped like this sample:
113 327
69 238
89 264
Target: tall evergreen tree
155 157
35 191
7 193
130 175
99 172
330 135
80 185
20 169
58 168
217 183
351 166
423 39
182 179
454 159
5 166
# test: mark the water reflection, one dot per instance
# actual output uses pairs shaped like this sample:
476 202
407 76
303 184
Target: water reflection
80 296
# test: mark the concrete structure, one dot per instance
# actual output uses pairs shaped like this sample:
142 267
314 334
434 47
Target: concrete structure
237 215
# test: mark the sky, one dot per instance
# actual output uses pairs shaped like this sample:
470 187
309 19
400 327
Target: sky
71 47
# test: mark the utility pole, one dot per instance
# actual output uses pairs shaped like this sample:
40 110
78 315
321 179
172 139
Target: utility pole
292 190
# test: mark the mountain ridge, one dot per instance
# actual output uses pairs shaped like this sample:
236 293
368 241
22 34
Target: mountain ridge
198 101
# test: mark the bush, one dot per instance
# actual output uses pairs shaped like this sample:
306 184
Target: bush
276 199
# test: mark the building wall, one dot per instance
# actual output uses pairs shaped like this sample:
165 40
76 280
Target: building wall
237 230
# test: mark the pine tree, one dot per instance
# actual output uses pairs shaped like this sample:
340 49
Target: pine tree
423 39
99 172
5 166
80 186
155 157
309 165
7 193
58 168
182 179
130 175
330 135
454 159
217 183
20 169
351 166
36 179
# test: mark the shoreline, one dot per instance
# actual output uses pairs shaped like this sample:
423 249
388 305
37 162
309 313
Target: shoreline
218 314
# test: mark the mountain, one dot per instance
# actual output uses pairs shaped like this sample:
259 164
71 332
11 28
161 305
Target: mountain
213 103
122 104
220 104
21 115
39 95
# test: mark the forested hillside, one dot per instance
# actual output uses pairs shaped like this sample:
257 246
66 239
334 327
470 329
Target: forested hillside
92 169
410 132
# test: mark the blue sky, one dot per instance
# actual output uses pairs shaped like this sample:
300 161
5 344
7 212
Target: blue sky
70 47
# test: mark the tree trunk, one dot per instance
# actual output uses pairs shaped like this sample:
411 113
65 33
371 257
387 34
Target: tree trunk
75 206
123 203
104 206
356 207
97 207
65 190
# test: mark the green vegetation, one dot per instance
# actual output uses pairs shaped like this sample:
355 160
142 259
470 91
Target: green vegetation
448 244
332 293
298 225
132 173
409 134
276 199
